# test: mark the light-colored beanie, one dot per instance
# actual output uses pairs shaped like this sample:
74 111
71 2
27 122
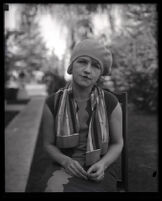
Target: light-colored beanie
95 50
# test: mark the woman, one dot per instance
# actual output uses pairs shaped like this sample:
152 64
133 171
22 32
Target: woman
82 126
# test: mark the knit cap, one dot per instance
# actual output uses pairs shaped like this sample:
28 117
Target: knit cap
95 50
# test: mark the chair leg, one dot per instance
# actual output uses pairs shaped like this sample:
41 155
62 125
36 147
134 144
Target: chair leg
120 187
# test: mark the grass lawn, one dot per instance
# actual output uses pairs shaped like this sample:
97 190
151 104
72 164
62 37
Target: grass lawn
142 152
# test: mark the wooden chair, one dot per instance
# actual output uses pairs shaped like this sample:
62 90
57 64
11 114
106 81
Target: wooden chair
122 184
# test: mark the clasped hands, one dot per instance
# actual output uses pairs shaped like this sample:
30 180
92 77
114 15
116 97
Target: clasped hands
95 172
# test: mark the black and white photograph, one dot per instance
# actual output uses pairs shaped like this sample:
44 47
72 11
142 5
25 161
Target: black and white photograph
81 97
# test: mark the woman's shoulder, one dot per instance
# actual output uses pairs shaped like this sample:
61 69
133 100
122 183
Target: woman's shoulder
111 100
52 96
110 96
50 100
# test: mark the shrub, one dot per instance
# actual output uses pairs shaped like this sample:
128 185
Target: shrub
135 70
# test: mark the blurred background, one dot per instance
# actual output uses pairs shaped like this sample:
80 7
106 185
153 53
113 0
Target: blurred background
39 39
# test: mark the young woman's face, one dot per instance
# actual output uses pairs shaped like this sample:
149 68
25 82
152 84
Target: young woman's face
86 71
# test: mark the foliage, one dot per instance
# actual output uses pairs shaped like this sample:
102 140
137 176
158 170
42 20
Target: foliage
75 17
25 48
135 70
53 82
31 45
10 54
134 48
134 45
131 35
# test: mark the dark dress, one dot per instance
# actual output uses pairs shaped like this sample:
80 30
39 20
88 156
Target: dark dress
57 180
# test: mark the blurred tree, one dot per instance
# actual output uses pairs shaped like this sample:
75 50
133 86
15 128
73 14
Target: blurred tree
74 16
54 65
31 45
135 68
53 82
132 36
11 57
25 48
140 17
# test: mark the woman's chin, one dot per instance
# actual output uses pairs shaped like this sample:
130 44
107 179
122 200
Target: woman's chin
84 84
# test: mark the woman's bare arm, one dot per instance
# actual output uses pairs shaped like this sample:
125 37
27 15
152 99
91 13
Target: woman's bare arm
116 138
70 165
49 137
96 171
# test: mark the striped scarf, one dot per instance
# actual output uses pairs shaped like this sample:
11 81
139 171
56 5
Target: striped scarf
67 123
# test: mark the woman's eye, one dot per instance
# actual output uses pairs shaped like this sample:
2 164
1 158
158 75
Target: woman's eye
96 66
82 62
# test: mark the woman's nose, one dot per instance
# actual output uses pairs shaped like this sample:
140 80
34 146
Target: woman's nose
88 68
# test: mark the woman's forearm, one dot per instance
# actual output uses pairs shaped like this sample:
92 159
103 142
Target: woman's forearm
112 154
56 154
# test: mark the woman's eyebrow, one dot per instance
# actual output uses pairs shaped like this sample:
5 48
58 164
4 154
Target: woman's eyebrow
82 58
94 62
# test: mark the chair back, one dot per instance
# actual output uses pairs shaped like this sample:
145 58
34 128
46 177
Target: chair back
123 183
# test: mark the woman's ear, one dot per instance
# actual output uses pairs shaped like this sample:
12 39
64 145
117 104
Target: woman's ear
70 69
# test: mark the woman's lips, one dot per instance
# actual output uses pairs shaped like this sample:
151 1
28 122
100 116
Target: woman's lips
86 77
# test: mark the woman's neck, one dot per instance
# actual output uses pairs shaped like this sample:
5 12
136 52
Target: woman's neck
81 93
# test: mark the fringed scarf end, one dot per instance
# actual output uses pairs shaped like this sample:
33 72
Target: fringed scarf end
68 141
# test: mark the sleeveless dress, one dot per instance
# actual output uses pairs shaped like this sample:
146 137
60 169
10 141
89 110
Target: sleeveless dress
55 179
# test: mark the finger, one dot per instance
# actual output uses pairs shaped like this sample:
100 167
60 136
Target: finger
94 175
98 179
82 175
80 169
70 169
78 173
95 172
101 175
71 172
91 169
